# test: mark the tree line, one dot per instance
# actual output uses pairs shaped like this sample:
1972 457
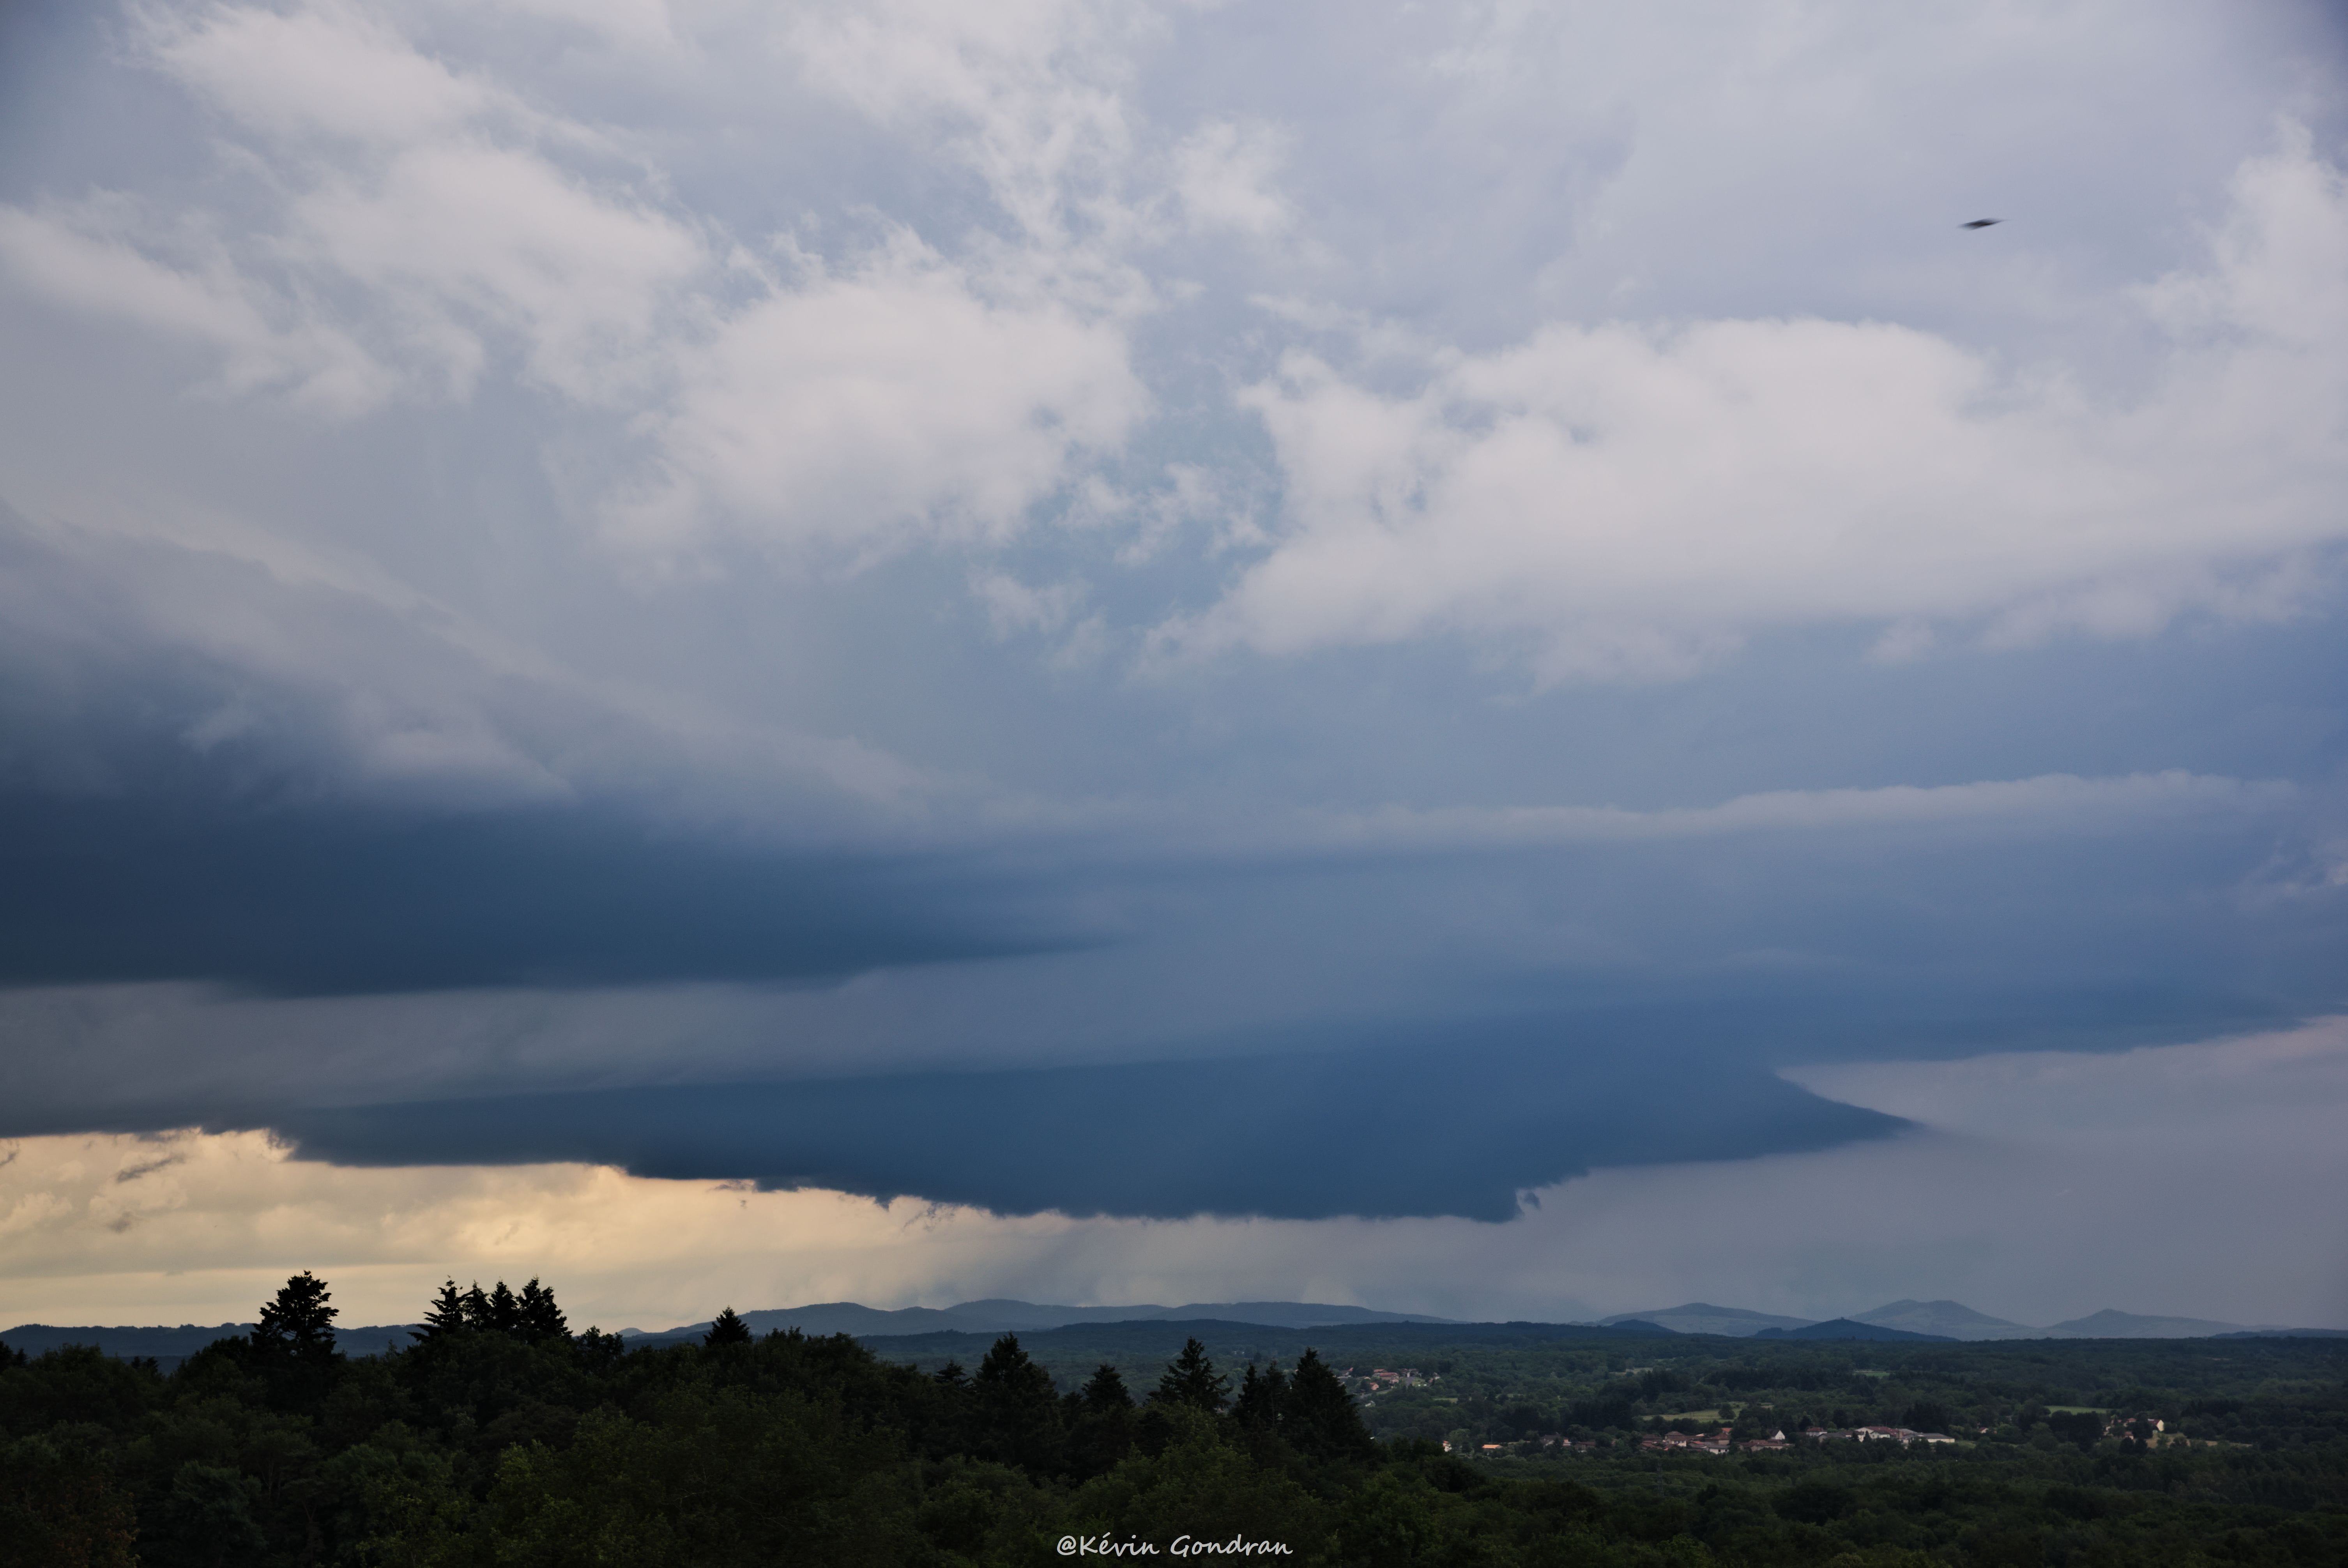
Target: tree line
501 1437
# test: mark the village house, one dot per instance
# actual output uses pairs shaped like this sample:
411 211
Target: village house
1719 1442
1378 1379
1901 1435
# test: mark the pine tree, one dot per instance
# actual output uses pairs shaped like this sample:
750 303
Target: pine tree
445 1317
1320 1418
1018 1413
1008 1368
1100 1423
727 1329
1106 1390
951 1376
477 1308
1191 1380
1263 1398
542 1319
298 1323
505 1311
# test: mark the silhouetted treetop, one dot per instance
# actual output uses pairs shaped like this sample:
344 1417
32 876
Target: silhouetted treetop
541 1317
446 1315
532 1315
1106 1390
1018 1412
1319 1417
298 1322
1263 1398
505 1310
1190 1378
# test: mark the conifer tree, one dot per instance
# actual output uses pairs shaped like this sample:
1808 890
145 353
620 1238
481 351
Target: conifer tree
505 1311
446 1315
542 1319
298 1323
1190 1378
1018 1413
726 1328
951 1376
1008 1368
1263 1398
1106 1390
477 1308
1100 1422
1320 1418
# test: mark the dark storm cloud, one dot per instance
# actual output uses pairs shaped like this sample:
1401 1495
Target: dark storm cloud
1458 1122
1387 1032
300 902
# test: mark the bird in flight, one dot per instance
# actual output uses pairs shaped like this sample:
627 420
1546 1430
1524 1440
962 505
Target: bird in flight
1981 223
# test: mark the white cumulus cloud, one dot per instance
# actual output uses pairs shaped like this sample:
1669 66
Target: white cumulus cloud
889 399
1630 500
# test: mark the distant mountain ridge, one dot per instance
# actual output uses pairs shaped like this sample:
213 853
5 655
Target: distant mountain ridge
1703 1317
997 1315
172 1345
1918 1321
2113 1324
1852 1328
1945 1320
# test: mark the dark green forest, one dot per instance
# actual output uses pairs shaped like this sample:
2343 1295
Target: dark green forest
503 1437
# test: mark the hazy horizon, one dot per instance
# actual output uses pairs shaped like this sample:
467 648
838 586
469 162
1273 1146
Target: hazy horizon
987 1316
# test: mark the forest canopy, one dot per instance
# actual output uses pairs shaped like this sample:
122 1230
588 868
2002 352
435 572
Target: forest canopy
501 1436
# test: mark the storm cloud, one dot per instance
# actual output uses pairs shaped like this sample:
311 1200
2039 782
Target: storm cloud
1463 1125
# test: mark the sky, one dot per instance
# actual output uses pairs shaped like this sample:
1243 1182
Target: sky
1471 659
